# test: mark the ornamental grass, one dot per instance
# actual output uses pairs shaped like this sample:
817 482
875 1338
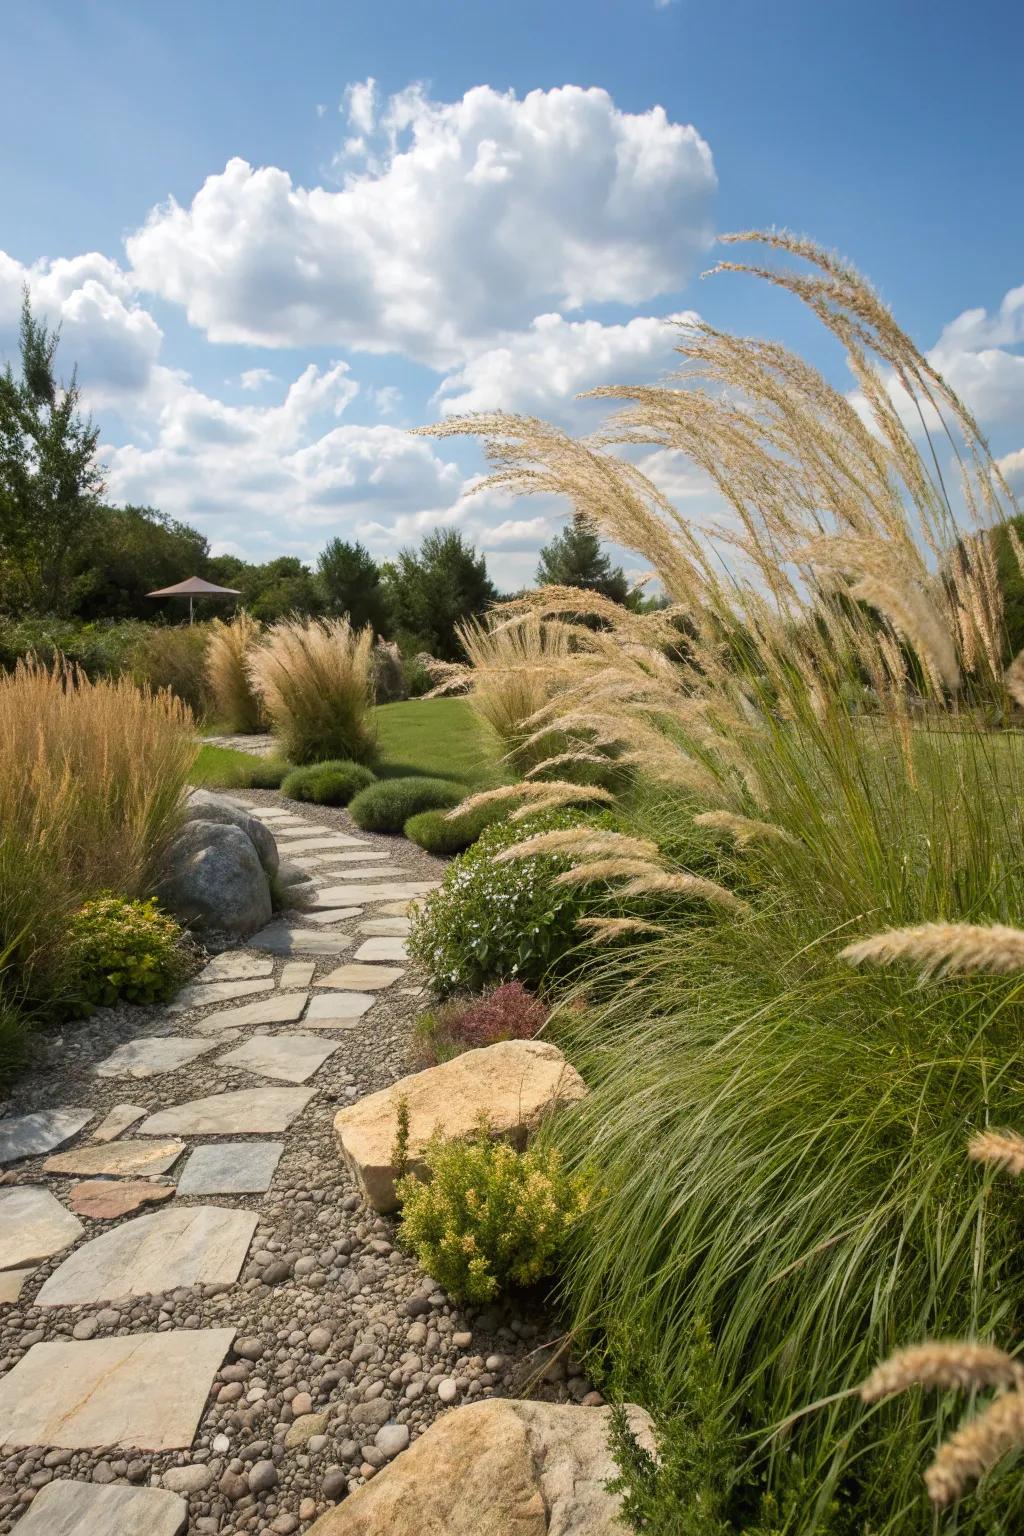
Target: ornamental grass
315 680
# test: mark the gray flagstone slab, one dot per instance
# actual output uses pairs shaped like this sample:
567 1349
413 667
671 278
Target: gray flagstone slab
361 978
332 915
182 1245
281 1008
372 872
119 1119
288 939
353 856
396 890
382 949
152 1055
312 843
244 1111
28 1135
11 1282
337 1010
236 965
297 973
386 927
231 1168
200 993
144 1392
292 1057
33 1225
117 1159
65 1508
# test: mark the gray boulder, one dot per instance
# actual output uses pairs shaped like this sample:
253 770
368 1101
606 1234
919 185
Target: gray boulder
203 805
295 885
213 878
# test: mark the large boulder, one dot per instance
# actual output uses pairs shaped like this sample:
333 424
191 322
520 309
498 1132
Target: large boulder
496 1468
514 1083
203 805
297 888
213 879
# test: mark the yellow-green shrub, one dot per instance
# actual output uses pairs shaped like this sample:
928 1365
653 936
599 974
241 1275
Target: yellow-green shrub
124 951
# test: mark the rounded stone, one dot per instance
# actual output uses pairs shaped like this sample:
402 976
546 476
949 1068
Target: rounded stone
187 1479
391 1439
262 1477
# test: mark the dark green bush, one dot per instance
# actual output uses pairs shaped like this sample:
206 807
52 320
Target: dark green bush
433 831
102 649
265 773
330 783
387 805
123 951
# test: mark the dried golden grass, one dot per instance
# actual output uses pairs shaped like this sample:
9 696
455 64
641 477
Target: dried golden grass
944 949
315 680
602 930
236 705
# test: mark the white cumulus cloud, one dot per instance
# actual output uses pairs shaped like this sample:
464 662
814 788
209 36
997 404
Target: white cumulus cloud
469 218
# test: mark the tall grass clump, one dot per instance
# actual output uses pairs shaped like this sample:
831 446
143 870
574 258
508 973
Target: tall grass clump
314 678
173 656
90 793
235 702
779 1126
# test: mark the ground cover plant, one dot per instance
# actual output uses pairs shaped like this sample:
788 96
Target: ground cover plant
314 680
780 1122
387 805
441 832
507 1012
329 783
124 951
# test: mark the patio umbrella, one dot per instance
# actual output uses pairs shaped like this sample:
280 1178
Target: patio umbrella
194 587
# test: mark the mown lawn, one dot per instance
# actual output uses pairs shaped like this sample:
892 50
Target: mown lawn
437 737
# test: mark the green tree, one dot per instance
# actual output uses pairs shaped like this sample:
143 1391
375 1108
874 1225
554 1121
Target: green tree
433 589
50 480
574 558
351 583
270 591
127 553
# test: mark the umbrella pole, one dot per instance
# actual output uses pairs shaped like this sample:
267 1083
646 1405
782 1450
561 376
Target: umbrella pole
190 608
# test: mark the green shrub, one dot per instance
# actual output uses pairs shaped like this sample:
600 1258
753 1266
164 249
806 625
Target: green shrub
387 805
490 1217
331 783
492 922
434 831
265 773
102 649
124 951
173 656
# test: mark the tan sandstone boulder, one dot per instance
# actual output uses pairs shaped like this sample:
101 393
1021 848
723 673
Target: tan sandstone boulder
514 1083
495 1468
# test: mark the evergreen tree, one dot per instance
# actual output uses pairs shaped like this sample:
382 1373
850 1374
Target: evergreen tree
50 481
574 558
352 584
436 588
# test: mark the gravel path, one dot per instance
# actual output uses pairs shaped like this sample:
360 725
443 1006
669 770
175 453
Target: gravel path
343 1348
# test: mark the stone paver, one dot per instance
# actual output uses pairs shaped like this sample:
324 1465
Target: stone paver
292 1057
346 895
361 978
372 872
236 965
33 1225
398 908
118 1120
231 1168
352 856
29 1135
286 939
246 1110
117 1159
382 949
152 1055
200 993
279 1009
183 1245
385 927
313 844
142 1392
297 973
11 1282
333 915
337 1010
65 1508
107 1199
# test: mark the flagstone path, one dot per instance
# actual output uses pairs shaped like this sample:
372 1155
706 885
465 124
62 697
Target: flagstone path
240 1355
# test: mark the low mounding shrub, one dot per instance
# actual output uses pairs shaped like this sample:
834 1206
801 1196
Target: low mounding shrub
327 783
490 1217
434 831
174 656
509 1012
265 773
493 922
387 805
235 704
124 951
315 681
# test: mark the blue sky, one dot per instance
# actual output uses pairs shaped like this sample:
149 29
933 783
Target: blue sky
341 264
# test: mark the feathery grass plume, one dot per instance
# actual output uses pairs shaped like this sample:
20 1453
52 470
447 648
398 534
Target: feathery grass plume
602 929
1014 679
743 830
606 869
316 682
976 1447
1002 1149
515 667
952 1364
694 887
235 703
535 795
944 949
580 843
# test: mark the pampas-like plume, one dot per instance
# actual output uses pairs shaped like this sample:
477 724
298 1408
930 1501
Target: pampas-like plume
553 792
944 949
1002 1149
743 829
604 928
582 843
976 1447
946 1365
1013 677
605 869
693 886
